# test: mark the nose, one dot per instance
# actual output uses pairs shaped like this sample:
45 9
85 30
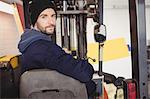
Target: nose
52 21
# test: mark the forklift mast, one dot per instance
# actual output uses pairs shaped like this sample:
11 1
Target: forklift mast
73 16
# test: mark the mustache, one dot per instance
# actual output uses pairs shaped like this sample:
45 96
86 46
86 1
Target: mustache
50 26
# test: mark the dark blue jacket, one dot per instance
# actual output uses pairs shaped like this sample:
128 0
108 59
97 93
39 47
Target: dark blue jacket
38 51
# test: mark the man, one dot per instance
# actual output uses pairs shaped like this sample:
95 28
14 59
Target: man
38 50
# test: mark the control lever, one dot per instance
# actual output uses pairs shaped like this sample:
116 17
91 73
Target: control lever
100 37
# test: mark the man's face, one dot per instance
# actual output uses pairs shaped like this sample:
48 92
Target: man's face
46 21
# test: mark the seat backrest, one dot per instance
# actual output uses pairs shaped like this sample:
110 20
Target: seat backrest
9 76
15 61
15 64
49 84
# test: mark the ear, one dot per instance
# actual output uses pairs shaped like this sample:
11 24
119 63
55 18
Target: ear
35 26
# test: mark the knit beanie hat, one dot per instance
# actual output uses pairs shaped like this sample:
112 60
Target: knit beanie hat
37 6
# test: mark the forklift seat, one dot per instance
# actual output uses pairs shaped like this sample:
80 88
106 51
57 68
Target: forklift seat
49 84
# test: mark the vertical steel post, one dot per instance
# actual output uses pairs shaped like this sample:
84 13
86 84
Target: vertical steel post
26 13
138 45
100 12
65 22
81 31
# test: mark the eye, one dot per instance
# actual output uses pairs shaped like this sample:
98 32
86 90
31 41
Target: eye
54 15
43 16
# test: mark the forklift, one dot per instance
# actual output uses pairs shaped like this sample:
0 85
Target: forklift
71 34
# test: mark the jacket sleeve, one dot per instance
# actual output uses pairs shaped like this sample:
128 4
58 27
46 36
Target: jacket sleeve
52 56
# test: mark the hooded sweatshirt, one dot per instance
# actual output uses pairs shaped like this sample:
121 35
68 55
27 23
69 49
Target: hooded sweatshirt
30 36
38 52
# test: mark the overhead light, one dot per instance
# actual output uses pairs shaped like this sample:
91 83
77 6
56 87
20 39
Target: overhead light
13 1
7 8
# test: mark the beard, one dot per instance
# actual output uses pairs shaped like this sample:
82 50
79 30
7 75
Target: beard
47 30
